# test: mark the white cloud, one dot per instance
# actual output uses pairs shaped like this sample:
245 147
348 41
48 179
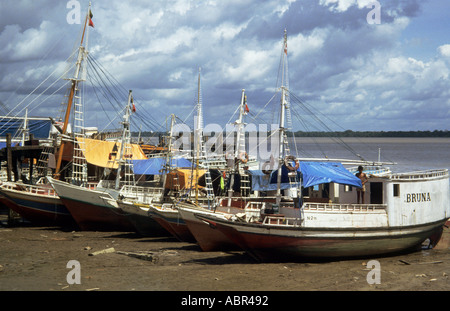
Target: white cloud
444 50
301 44
227 30
338 5
253 65
335 58
32 43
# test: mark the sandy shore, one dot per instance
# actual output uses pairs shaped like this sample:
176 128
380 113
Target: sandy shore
35 259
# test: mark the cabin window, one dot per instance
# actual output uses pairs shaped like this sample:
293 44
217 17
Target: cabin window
348 188
396 190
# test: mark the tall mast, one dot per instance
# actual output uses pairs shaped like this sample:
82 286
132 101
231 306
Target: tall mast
285 83
82 54
285 117
281 142
198 134
240 137
201 152
284 109
125 147
168 155
25 127
240 144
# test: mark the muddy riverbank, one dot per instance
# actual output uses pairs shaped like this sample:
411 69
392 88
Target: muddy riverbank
36 259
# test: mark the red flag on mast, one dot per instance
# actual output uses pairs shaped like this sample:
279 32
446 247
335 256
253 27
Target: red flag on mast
91 23
134 107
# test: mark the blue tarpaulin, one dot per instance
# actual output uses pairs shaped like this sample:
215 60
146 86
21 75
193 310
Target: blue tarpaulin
266 182
313 173
154 166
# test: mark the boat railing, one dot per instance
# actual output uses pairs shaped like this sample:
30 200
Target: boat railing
280 220
254 205
144 194
336 207
33 189
372 170
428 174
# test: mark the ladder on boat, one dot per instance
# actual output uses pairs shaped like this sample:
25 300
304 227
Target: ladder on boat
208 181
245 184
43 162
79 164
293 176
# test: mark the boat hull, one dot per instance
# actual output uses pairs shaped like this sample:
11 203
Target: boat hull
143 223
208 238
171 220
91 209
270 242
40 207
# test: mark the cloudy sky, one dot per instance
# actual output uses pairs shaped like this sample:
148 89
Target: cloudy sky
360 76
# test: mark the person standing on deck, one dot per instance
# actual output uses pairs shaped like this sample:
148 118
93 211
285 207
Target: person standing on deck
361 191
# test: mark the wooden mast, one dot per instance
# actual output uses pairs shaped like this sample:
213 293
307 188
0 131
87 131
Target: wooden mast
73 87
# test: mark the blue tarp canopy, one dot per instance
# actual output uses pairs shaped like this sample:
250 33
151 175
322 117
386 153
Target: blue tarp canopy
313 173
154 166
266 182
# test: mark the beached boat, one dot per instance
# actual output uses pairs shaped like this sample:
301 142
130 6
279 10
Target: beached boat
138 215
235 164
169 218
38 203
239 197
206 237
315 214
180 181
412 208
91 208
95 209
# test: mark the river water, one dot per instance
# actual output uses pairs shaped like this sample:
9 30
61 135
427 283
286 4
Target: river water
409 154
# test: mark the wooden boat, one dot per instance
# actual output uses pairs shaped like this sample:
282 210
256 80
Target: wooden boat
404 210
169 218
92 208
38 204
96 209
206 237
414 208
139 215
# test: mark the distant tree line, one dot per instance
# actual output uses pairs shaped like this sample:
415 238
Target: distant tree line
347 133
350 133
